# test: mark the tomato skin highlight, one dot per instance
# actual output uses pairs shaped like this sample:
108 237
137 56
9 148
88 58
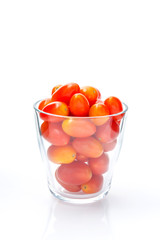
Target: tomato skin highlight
57 108
115 106
90 93
89 147
78 127
99 165
70 188
79 105
94 185
108 131
65 92
55 88
75 173
99 94
44 103
61 154
54 133
109 146
99 109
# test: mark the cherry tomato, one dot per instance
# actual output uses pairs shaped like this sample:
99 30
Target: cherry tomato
57 108
115 106
79 105
99 165
81 157
90 93
70 188
61 154
109 146
75 173
65 92
94 185
89 147
44 103
78 127
55 88
99 109
108 131
54 133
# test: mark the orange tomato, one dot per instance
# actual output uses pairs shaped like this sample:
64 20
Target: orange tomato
79 105
54 133
99 109
89 147
70 188
109 146
108 131
55 88
44 103
75 173
61 154
94 185
81 157
78 127
99 165
115 106
65 92
90 93
57 108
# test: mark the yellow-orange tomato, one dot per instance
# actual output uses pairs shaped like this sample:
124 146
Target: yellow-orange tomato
75 173
79 105
70 188
99 109
89 147
61 154
57 108
94 185
55 88
44 103
54 133
78 127
90 93
99 165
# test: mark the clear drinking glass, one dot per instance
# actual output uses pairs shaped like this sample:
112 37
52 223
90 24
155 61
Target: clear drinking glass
79 153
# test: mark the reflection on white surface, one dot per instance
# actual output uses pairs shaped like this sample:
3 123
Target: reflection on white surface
68 221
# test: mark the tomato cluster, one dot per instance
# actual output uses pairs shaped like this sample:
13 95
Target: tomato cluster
79 138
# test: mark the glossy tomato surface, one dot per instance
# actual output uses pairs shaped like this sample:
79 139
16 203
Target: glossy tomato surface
89 147
99 165
55 88
115 106
57 108
94 185
99 109
54 133
44 103
90 93
65 92
79 105
75 173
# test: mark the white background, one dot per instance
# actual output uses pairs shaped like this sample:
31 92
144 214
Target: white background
112 45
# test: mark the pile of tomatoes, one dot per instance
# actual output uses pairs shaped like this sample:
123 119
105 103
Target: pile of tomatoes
79 138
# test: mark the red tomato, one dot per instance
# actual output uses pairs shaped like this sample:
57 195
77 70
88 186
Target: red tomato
99 165
55 88
44 103
108 131
89 147
115 106
90 93
70 188
65 92
54 133
61 154
94 185
75 173
99 109
81 157
57 108
109 146
78 127
79 105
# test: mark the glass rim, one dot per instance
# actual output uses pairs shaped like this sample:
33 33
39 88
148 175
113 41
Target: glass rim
76 117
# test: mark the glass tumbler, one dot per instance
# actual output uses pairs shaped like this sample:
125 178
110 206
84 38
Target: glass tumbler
79 153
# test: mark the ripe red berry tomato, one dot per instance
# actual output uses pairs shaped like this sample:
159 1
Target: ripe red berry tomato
115 106
90 93
55 88
99 109
44 103
79 105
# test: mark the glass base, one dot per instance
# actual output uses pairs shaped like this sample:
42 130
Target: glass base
78 198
